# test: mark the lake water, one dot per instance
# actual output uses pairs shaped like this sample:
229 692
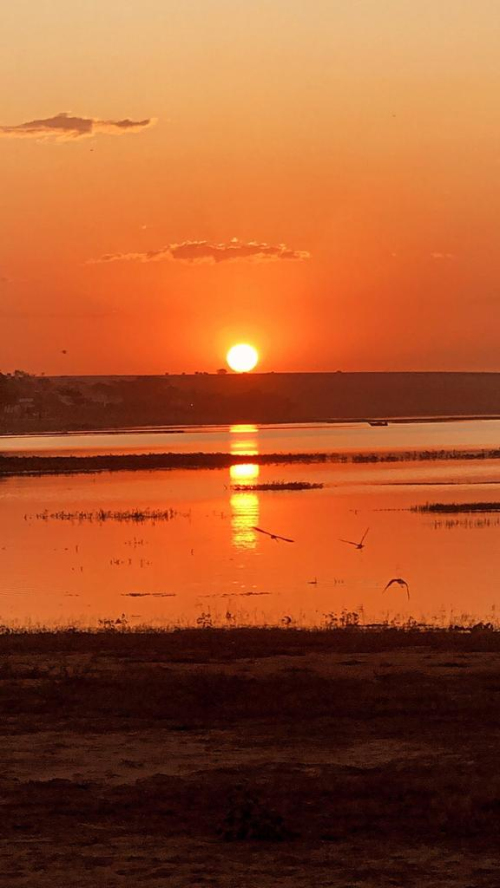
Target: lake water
300 437
208 563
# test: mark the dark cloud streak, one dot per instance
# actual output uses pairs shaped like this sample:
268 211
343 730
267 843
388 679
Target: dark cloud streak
203 252
65 127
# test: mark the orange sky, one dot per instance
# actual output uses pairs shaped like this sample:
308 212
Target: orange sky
364 135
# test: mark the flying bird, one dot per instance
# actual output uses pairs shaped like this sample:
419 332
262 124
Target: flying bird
274 536
361 544
400 582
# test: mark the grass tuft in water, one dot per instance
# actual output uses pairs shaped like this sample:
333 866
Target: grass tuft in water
101 515
279 485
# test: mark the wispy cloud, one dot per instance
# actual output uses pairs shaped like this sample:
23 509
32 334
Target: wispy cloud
203 252
438 256
63 127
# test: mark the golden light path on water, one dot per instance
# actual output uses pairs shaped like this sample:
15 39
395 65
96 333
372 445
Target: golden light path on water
244 503
244 517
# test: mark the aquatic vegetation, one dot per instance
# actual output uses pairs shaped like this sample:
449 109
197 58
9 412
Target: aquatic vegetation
468 523
113 625
234 594
149 595
205 621
344 620
452 508
279 485
55 465
249 594
101 515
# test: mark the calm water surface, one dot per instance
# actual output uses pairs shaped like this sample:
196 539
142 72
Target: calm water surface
208 559
297 438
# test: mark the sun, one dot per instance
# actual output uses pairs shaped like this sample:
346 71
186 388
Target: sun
242 357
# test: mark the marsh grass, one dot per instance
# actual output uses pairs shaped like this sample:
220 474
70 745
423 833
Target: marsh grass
43 465
100 516
454 508
230 641
468 523
279 485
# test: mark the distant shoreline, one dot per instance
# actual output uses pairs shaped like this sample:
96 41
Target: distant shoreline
37 405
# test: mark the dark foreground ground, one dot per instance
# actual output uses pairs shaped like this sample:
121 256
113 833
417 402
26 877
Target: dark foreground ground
250 759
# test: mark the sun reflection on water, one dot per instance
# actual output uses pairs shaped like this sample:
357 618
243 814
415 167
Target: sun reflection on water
244 503
244 473
247 444
245 428
244 516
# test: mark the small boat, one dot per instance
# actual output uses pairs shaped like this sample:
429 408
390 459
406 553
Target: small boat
378 422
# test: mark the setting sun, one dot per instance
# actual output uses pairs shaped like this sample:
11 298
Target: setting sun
242 357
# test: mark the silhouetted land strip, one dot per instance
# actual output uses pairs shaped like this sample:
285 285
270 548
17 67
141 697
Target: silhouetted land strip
333 757
38 404
58 465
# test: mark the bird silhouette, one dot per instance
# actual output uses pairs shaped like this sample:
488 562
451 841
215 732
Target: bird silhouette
274 536
361 544
400 582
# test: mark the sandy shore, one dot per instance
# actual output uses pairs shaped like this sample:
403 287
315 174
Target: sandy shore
250 758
